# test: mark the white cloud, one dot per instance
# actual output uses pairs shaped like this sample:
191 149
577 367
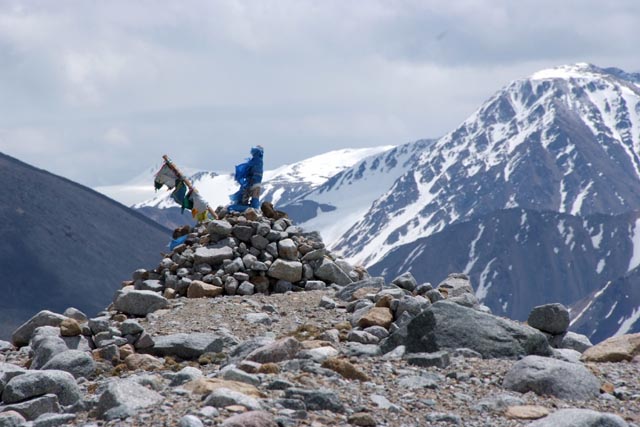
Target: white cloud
119 83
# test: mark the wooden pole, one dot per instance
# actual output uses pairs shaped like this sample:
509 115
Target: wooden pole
186 181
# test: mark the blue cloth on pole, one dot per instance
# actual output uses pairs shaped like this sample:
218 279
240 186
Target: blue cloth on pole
177 242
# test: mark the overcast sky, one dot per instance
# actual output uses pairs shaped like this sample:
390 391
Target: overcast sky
97 91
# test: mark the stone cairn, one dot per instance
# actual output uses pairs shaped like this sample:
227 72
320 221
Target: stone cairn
242 255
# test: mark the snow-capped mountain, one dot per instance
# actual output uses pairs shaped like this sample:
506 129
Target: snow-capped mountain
518 258
280 185
333 207
565 139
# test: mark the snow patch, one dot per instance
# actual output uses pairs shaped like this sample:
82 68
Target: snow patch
601 265
473 258
613 307
635 240
483 286
627 323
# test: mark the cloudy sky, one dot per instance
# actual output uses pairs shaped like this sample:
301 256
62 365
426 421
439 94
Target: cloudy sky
98 90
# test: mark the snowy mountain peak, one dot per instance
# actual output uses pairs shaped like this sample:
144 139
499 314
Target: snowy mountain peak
550 142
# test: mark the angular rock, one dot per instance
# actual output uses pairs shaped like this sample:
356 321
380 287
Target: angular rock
277 351
291 271
376 316
198 289
346 293
362 337
447 326
145 362
70 328
288 250
574 417
551 318
328 303
212 256
190 421
139 303
246 288
22 335
33 408
434 295
316 400
315 285
234 374
190 346
11 418
455 284
329 272
185 375
282 286
219 228
130 327
438 359
545 376
355 349
526 412
251 419
243 232
406 281
149 285
614 349
345 368
577 342
124 398
314 255
258 318
45 348
223 397
32 384
77 363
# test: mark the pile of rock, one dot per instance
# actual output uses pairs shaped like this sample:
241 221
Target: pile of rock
237 255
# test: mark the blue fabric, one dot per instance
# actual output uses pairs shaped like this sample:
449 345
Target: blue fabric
177 242
248 174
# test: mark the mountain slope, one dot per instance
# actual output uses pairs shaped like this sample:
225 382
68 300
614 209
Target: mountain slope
518 259
565 140
58 235
333 207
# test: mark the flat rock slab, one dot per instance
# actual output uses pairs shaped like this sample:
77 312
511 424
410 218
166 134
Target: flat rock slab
316 400
346 293
32 384
615 349
190 346
579 417
552 377
448 326
139 303
33 408
124 398
212 256
223 397
251 419
277 351
526 412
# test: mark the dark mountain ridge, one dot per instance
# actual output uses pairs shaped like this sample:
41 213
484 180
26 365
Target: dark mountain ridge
59 235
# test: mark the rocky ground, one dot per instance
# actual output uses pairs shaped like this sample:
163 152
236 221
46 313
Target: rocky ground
363 352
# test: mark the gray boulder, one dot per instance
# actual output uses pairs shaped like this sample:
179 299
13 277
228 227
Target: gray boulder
45 347
287 249
251 419
32 384
346 293
33 408
243 232
277 351
574 417
291 271
5 346
190 421
551 318
456 284
316 400
546 376
219 228
54 420
22 335
222 397
190 346
75 314
330 272
10 418
447 326
130 327
76 362
406 281
124 398
139 303
212 256
8 371
577 342
185 375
